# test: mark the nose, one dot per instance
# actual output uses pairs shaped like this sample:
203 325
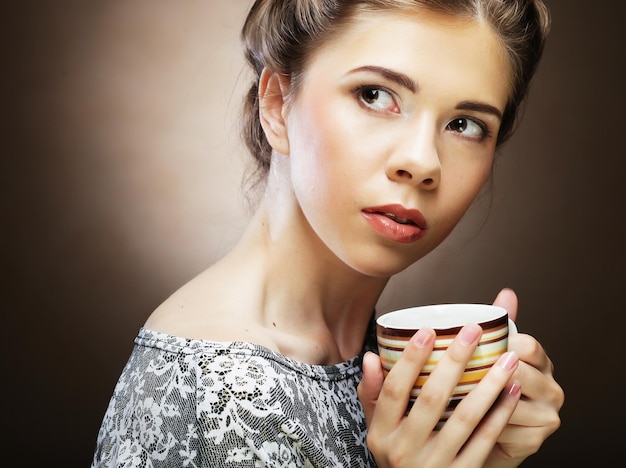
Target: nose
416 161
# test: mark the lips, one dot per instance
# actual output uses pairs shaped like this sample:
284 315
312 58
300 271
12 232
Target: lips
396 222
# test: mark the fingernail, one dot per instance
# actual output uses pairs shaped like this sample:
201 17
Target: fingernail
514 389
508 360
422 337
470 334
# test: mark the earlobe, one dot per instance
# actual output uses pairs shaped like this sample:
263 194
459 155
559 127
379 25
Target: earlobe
273 89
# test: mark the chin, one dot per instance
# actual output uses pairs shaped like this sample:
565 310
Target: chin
381 267
378 260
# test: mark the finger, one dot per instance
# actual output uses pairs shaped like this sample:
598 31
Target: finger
507 299
531 352
540 407
370 385
530 414
394 396
470 413
437 390
485 437
542 399
537 385
519 442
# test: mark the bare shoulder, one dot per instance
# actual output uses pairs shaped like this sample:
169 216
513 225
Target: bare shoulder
211 306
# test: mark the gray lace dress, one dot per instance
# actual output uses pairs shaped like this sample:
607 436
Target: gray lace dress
195 403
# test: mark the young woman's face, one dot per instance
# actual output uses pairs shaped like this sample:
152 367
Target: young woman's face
393 133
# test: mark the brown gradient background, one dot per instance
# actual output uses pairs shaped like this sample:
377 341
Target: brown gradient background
121 170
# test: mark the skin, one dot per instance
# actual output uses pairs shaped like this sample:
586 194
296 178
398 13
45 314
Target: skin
511 431
369 128
399 150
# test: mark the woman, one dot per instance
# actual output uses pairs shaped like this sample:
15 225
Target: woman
374 124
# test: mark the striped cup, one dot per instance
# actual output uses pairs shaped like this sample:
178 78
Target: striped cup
395 329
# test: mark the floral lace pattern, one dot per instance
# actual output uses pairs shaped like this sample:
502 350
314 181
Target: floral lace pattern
196 403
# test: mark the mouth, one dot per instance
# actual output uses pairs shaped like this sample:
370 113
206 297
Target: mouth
399 214
396 222
397 219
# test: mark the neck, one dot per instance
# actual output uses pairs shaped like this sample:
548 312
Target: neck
303 292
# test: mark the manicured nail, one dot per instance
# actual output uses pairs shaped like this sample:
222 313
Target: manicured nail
422 337
514 389
470 334
508 360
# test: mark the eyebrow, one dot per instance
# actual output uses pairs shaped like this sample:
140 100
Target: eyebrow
396 77
479 107
407 82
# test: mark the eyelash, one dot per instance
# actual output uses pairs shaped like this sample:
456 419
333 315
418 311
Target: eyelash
486 133
359 90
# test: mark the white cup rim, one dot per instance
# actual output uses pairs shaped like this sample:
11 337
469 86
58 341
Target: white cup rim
438 316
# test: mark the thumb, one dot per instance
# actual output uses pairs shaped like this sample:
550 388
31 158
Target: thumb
370 385
508 300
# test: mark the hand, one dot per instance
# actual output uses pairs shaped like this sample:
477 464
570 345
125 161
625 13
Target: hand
537 414
398 439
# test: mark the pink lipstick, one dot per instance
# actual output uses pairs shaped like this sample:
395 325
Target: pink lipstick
396 222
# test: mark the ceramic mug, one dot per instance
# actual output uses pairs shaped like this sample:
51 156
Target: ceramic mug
395 329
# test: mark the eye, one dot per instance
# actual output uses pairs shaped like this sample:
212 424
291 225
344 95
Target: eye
377 99
468 128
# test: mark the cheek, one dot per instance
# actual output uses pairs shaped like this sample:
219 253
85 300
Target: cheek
468 188
322 150
460 185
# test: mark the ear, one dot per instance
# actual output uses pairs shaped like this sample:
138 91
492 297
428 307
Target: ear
273 89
